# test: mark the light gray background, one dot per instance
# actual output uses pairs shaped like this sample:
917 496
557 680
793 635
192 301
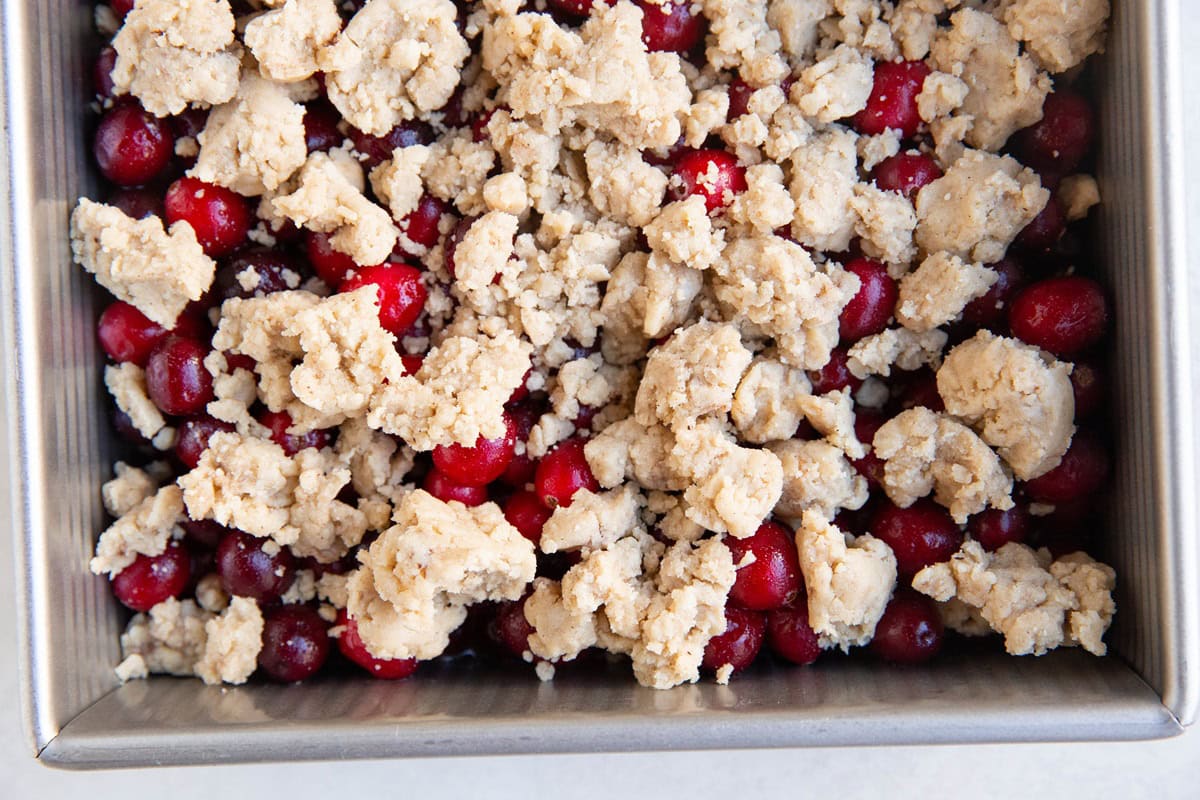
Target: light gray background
1160 770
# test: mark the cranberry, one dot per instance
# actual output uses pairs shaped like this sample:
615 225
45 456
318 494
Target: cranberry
1082 471
192 440
525 512
420 225
479 125
352 647
990 309
510 628
739 98
1044 230
270 268
176 379
121 7
1059 142
280 421
412 364
740 642
521 469
123 426
234 361
1087 382
219 216
993 528
906 173
295 643
917 389
919 535
102 73
189 122
834 375
441 487
399 289
126 335
456 235
893 100
790 636
377 149
132 146
670 26
149 580
522 390
254 567
772 579
204 534
578 8
910 630
478 465
715 175
562 472
321 127
1062 315
870 466
870 309
331 266
137 202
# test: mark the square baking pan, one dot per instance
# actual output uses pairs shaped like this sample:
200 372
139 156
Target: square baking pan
78 716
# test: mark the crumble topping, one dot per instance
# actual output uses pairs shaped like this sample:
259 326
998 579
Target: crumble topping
938 290
816 475
127 385
232 641
1059 36
129 488
145 529
286 41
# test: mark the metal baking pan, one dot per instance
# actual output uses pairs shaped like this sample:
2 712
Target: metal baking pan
79 717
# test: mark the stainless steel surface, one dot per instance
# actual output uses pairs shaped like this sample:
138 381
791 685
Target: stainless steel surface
77 718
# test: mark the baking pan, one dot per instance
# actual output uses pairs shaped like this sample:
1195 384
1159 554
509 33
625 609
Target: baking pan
79 717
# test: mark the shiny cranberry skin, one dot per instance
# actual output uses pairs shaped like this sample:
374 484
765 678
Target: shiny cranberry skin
204 534
870 309
478 465
1087 383
321 133
993 528
772 579
919 535
123 426
910 630
149 580
331 266
669 26
906 173
456 235
121 7
1059 142
176 379
522 391
834 375
270 267
1044 230
189 122
420 225
521 469
132 146
739 644
445 489
1062 315
691 176
893 100
377 149
991 309
525 512
790 636
917 388
102 73
126 335
1082 471
412 364
400 290
219 216
739 98
137 202
295 643
510 628
193 436
352 647
562 472
247 568
280 421
870 466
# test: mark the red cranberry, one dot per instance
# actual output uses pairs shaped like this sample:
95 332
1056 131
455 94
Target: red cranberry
377 149
834 375
910 630
906 173
790 636
1082 471
441 487
715 175
132 146
192 440
456 235
773 578
121 7
203 534
990 309
510 628
525 512
189 122
219 216
126 335
149 580
137 202
270 268
919 535
521 469
295 643
870 466
993 528
412 364
239 361
102 73
123 426
870 309
420 225
352 647
331 266
739 644
280 421
1062 315
1059 142
321 127
1087 382
478 465
1044 230
254 567
893 100
479 126
670 26
400 290
562 472
578 8
522 390
176 379
739 98
916 389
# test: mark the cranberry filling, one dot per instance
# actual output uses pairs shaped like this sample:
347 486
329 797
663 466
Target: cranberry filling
321 132
870 466
412 364
377 149
192 438
562 472
121 7
990 309
149 580
739 644
578 8
526 513
1059 142
772 579
204 534
481 464
910 631
256 273
399 289
871 307
919 535
295 643
219 216
132 146
714 175
509 627
1082 471
993 528
443 488
835 374
102 73
176 378
790 636
456 235
137 202
917 388
254 567
1062 315
126 335
521 469
292 443
906 173
421 224
739 98
352 647
893 100
1087 383
331 266
670 26
1044 230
